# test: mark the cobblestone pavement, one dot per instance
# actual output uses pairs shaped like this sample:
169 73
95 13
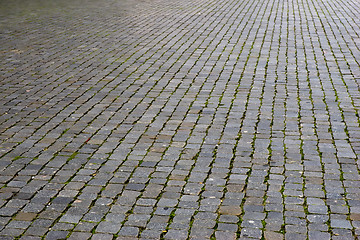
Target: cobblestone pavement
192 119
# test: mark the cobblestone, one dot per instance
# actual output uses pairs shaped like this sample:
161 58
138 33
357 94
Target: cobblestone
191 119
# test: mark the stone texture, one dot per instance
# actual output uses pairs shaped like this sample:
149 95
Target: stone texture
192 119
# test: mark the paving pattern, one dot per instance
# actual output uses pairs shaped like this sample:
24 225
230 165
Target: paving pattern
167 119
